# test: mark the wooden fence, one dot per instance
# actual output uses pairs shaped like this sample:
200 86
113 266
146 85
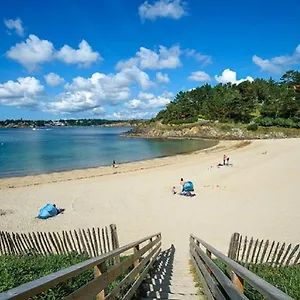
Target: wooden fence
94 242
250 251
217 285
133 267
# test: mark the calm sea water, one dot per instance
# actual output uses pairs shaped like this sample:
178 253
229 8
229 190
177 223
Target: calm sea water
25 151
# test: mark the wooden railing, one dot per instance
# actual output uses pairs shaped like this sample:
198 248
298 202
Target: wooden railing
250 251
139 258
217 285
94 241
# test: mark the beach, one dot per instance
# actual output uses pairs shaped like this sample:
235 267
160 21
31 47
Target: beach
256 196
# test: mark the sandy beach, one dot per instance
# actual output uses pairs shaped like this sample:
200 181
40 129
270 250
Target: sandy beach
257 196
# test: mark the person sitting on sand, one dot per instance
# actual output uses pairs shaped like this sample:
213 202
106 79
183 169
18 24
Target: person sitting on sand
227 159
58 210
174 191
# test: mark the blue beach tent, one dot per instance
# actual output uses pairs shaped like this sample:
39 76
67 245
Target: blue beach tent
188 187
47 211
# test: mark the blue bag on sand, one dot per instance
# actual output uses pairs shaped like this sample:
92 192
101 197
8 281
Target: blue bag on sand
188 187
47 211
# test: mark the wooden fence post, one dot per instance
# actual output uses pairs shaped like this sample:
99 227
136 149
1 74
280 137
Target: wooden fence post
114 240
98 270
136 262
237 281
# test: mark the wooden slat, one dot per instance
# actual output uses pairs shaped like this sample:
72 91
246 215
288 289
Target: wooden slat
64 239
95 241
107 238
258 251
1 244
38 244
26 240
249 250
16 245
270 252
78 242
99 240
264 251
297 259
103 240
82 242
47 241
87 243
22 245
54 242
292 255
254 251
73 242
279 254
275 253
285 255
91 243
64 250
244 249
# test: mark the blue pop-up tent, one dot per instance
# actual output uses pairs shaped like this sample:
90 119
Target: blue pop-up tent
47 211
188 187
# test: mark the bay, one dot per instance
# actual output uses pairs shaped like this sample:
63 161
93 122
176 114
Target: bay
24 151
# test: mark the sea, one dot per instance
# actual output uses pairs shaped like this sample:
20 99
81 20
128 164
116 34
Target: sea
24 151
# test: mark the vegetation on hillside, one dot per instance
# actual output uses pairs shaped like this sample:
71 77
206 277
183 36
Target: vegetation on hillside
262 102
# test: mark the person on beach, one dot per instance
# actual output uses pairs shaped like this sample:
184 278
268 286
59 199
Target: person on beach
174 191
224 159
58 210
114 164
227 160
182 182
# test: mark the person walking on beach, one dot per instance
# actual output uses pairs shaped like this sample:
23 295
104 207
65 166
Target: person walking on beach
224 159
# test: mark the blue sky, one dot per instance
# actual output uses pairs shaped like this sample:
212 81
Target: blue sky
127 59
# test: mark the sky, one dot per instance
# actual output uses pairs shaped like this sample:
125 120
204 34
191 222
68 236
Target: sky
121 59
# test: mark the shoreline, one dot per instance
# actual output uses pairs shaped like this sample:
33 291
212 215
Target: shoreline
31 180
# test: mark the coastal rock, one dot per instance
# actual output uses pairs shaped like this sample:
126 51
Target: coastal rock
208 131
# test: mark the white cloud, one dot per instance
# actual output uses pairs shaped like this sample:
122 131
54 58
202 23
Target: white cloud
205 59
84 56
151 101
278 64
98 111
32 52
162 78
84 94
230 76
173 9
145 96
163 59
53 79
131 62
21 93
199 76
15 25
145 58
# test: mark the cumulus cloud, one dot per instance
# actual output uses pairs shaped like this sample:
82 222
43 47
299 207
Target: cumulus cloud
162 78
15 25
32 52
21 93
199 76
151 101
145 58
85 94
53 79
203 58
173 9
131 115
230 76
278 64
84 56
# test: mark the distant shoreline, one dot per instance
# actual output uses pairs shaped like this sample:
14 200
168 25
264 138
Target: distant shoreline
30 180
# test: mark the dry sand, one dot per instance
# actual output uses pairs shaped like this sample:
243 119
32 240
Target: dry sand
258 197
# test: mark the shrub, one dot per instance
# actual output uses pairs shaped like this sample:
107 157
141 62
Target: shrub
184 121
252 127
17 270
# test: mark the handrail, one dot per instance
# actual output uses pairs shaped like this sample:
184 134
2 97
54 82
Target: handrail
37 286
265 288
